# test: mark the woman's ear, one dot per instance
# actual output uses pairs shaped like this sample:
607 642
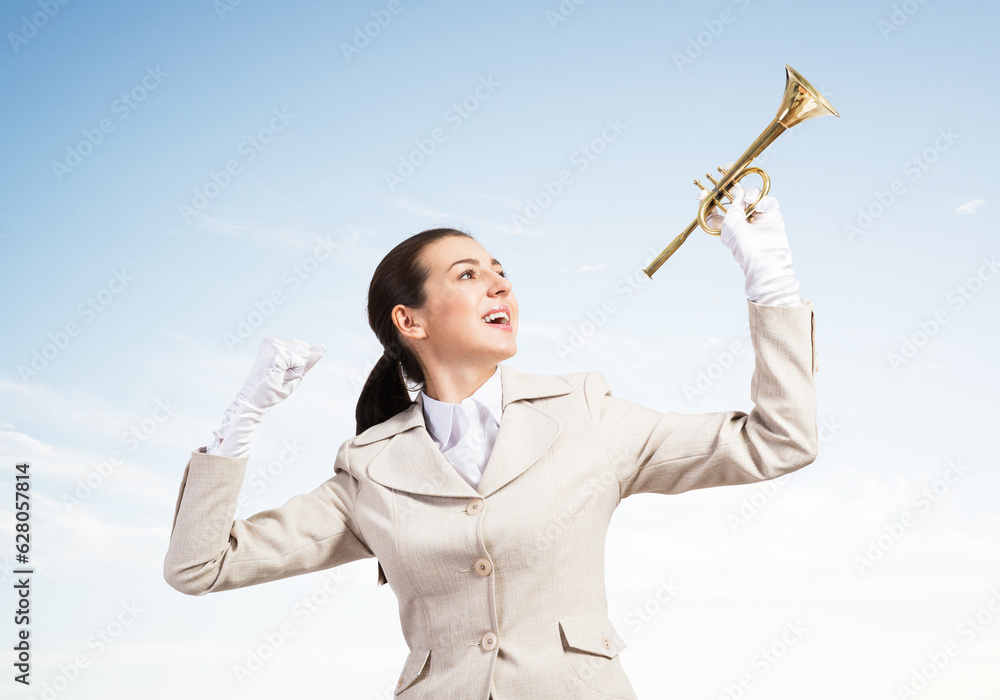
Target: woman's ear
407 322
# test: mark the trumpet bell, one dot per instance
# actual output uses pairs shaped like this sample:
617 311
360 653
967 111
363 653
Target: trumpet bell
801 101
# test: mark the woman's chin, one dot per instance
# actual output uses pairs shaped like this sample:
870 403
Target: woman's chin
505 352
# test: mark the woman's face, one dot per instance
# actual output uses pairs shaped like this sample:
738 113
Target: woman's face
463 286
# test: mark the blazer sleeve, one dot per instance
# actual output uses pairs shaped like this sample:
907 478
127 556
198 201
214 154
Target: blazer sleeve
669 453
210 551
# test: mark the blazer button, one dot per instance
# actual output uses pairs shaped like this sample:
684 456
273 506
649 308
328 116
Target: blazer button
489 641
475 506
483 567
607 644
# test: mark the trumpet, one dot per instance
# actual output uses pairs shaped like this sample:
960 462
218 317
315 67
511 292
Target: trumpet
801 101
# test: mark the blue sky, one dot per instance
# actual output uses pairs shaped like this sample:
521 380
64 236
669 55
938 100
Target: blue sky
280 129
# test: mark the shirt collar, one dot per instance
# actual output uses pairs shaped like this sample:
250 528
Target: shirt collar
438 414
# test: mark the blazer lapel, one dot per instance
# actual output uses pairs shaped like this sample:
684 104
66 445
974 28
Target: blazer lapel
412 462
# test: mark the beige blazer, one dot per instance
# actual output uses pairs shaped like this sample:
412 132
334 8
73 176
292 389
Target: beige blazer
501 589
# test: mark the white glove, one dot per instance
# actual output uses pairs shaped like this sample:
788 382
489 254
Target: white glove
760 247
278 369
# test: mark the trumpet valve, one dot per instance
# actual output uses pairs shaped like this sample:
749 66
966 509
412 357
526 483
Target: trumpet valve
717 202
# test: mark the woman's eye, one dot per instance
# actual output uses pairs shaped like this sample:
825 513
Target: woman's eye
470 271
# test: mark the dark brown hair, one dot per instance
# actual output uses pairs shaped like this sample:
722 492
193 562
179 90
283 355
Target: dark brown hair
398 279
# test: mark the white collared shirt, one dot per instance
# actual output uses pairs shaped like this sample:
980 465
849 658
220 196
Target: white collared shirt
466 432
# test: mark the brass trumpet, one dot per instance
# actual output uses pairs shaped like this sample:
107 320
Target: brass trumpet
801 101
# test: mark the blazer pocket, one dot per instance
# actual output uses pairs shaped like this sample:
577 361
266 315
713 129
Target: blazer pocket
591 645
593 634
416 660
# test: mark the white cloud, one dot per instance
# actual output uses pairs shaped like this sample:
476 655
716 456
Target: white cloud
585 268
460 221
506 201
65 469
260 233
94 539
970 207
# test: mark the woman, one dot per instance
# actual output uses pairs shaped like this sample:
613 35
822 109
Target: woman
487 500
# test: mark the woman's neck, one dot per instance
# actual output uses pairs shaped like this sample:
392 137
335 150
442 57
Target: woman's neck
456 384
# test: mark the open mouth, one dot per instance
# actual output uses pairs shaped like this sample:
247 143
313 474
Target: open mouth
499 319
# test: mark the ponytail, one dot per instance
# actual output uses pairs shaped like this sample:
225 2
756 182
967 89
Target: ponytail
384 394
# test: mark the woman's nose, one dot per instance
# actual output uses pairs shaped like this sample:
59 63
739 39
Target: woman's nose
501 283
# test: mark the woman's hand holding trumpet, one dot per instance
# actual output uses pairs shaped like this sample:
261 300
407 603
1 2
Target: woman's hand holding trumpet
759 246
